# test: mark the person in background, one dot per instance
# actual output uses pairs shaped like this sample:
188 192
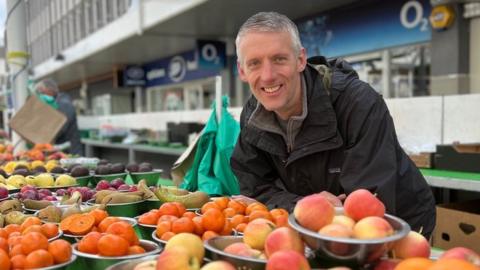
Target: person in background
49 93
317 128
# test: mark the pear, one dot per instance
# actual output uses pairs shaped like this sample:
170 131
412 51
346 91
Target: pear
44 180
50 214
65 180
73 209
10 205
16 180
74 199
2 220
15 217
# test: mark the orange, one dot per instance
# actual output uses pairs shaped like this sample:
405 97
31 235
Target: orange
259 214
450 264
124 230
208 234
213 220
238 206
222 202
237 219
148 218
4 244
34 241
102 227
169 209
65 223
183 224
166 236
4 260
281 221
135 250
99 215
112 245
49 230
163 227
88 243
229 212
197 222
11 228
167 218
39 258
189 215
14 239
209 205
61 250
227 228
278 212
29 222
16 250
415 263
3 233
18 261
241 227
255 206
180 207
32 228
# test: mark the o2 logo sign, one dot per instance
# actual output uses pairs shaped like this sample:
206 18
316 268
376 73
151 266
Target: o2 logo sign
418 20
177 68
209 53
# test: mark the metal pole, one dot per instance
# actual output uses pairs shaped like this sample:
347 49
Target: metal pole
17 59
218 97
386 74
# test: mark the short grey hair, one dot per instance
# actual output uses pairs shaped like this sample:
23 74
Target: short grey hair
269 22
48 84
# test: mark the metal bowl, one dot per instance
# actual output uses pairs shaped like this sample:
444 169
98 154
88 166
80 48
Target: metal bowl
214 251
155 238
350 251
145 229
130 264
97 262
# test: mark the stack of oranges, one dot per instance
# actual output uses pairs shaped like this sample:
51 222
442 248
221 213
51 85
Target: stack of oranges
220 216
81 224
27 246
114 238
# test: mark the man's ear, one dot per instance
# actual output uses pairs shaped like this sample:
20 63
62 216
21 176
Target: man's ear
241 72
302 60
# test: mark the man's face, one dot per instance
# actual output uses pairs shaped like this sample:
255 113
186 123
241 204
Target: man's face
272 69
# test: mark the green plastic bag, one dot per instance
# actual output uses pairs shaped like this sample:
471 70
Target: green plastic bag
210 171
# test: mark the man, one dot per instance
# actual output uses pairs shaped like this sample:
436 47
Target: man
303 132
48 92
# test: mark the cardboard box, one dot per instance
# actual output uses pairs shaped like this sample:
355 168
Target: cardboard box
422 160
458 224
447 157
37 122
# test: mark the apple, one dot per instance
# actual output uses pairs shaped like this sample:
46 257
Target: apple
344 220
361 203
177 258
191 242
412 245
283 238
372 227
3 193
102 184
123 187
463 254
218 265
240 249
313 212
287 260
256 232
147 265
117 182
27 187
340 231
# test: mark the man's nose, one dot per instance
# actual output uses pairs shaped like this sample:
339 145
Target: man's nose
268 72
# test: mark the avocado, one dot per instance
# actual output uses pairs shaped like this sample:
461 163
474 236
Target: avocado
22 171
57 169
103 169
117 168
132 167
145 167
79 171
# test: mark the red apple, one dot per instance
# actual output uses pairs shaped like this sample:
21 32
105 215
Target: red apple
287 260
240 249
344 220
412 245
256 232
283 238
361 203
340 231
463 254
313 212
386 264
372 227
177 258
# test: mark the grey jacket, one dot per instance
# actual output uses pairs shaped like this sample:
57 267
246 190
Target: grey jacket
69 131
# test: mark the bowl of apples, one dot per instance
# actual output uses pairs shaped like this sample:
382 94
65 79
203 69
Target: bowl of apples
357 234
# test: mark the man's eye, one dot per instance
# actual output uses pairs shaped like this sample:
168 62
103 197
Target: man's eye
280 59
253 64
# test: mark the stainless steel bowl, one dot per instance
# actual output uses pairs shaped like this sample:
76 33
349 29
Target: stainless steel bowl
60 266
130 264
350 251
214 251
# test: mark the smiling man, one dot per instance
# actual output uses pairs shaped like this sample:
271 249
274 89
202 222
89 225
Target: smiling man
316 128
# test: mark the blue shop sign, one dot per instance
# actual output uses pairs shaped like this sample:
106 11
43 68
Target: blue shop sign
206 60
378 25
133 75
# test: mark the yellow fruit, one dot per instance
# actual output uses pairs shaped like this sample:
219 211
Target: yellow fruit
16 180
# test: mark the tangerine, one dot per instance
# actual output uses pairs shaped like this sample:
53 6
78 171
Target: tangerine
213 220
189 214
99 215
14 239
103 225
124 230
135 249
197 222
18 261
4 244
259 214
61 250
29 221
180 207
237 219
209 205
33 241
241 227
148 218
16 250
183 224
167 218
50 230
169 209
222 202
10 228
255 206
32 228
227 228
88 243
208 234
166 236
229 212
112 245
4 260
238 206
415 263
38 259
